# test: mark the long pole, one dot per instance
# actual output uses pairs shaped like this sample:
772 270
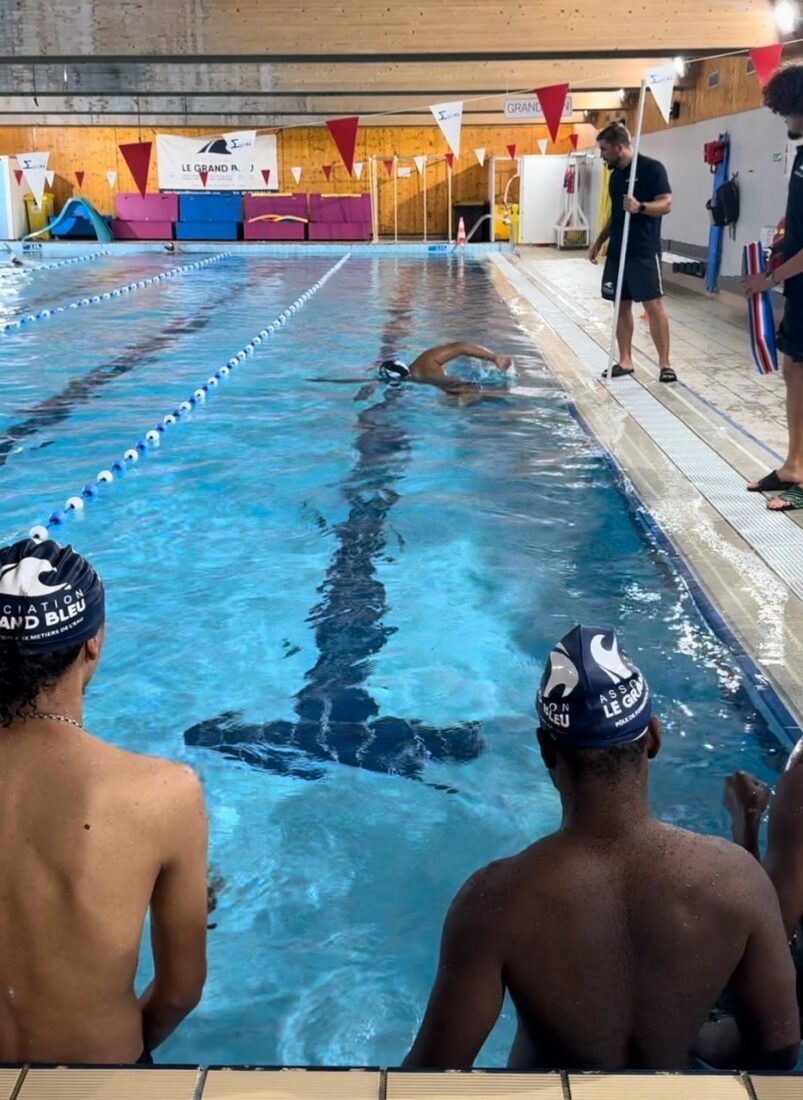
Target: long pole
620 275
492 196
375 199
395 198
449 197
424 176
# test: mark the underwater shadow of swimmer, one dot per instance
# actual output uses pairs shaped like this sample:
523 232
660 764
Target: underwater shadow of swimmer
337 719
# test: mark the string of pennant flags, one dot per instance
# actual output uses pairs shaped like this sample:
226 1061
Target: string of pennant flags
552 101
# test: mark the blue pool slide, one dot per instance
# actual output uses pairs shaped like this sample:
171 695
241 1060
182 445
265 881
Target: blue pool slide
73 210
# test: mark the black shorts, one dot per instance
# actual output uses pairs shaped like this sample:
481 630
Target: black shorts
642 281
790 330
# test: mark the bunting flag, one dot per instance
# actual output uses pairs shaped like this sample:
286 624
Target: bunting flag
661 83
480 154
137 155
344 132
766 61
574 138
420 163
449 159
18 175
553 102
449 116
266 176
327 170
111 177
511 151
79 177
389 166
296 173
34 169
204 174
542 144
50 175
358 169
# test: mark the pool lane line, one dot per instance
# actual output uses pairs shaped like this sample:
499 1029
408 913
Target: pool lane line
199 396
51 266
107 295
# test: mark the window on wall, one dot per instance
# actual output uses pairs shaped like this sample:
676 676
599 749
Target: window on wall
713 79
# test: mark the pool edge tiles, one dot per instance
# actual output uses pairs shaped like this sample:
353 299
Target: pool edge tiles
474 1085
135 1083
658 1086
291 1084
9 1080
761 610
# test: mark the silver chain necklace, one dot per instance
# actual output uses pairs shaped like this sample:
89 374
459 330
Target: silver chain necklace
56 718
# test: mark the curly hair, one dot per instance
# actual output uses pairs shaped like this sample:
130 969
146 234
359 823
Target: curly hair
784 92
24 676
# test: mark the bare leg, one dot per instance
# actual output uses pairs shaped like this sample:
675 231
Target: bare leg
746 799
624 335
792 469
659 329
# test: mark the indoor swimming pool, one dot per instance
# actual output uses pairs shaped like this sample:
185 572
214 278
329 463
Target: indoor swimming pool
336 605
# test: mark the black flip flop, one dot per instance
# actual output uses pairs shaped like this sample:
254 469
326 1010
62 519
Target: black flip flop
667 375
618 372
792 500
771 483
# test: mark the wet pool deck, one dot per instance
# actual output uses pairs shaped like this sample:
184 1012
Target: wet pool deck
686 450
192 1083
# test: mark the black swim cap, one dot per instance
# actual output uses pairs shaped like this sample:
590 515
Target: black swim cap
393 371
50 597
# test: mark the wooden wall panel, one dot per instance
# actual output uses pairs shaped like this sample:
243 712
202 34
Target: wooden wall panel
94 150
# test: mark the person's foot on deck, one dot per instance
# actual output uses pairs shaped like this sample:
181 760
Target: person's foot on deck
746 798
786 475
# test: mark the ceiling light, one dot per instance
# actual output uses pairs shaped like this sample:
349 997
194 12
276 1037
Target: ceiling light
787 15
680 66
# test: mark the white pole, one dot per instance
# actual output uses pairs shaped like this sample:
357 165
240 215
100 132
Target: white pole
620 277
492 196
375 199
424 176
449 197
395 198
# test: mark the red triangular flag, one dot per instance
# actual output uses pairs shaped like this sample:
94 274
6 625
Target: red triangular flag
511 149
449 159
574 138
344 132
553 100
389 166
79 175
18 175
204 174
266 175
766 61
137 156
327 171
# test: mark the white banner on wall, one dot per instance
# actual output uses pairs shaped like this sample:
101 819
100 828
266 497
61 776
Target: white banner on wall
234 162
527 108
34 169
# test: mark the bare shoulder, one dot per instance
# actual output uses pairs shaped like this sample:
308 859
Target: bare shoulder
163 785
727 863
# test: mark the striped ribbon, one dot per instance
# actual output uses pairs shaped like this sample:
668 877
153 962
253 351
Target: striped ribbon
762 322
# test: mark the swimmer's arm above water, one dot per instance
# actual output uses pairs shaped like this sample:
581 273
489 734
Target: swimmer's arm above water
469 991
445 353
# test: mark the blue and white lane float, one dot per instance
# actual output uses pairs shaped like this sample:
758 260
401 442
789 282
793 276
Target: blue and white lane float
110 295
34 269
199 396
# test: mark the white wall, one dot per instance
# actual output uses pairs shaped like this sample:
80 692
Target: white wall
756 136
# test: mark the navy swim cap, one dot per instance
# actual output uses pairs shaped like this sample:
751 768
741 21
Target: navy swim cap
50 597
591 695
393 371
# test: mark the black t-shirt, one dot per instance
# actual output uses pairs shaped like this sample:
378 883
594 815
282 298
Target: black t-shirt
644 238
793 233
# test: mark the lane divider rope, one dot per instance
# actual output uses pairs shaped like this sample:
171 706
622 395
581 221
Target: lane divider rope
152 438
34 269
118 292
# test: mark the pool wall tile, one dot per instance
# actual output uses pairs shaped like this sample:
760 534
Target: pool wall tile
475 1086
292 1084
109 1084
776 1086
657 1086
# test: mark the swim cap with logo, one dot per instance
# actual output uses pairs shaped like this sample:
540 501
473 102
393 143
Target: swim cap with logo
50 597
393 371
591 694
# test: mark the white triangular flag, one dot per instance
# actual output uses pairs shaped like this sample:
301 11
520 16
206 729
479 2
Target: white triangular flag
480 156
50 175
34 171
111 176
240 142
357 166
420 163
449 116
296 174
542 144
661 83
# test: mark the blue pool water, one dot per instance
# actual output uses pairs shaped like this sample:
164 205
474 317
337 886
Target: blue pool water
322 567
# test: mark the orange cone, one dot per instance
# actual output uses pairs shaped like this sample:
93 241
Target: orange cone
461 232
